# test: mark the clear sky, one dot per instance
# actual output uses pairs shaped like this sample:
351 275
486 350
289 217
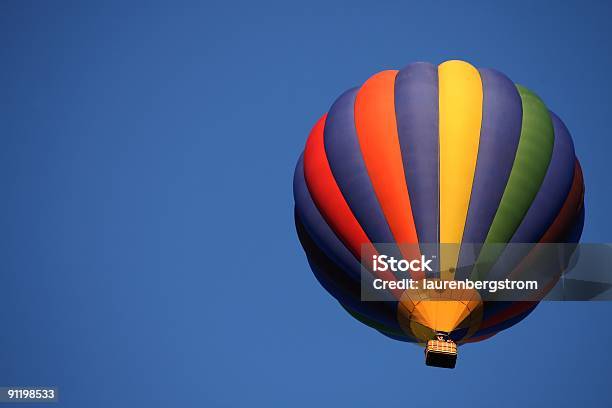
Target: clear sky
148 255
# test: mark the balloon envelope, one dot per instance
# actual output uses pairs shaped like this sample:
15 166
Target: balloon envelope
433 154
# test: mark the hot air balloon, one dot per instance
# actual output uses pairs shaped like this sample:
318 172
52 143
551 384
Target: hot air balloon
434 155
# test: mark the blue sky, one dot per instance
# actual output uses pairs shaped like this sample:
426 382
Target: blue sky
146 158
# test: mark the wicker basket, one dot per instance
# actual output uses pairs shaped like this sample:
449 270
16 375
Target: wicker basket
441 353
